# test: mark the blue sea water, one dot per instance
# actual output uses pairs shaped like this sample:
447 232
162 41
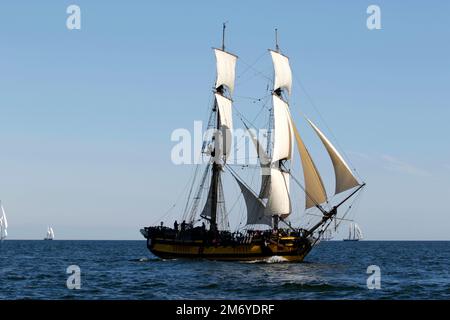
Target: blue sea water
126 270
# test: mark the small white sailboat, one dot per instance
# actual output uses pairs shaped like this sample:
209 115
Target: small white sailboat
327 235
50 234
3 223
354 232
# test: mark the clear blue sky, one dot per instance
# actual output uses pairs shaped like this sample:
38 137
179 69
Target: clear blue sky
86 116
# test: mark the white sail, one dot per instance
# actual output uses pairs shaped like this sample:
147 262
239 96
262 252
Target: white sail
358 233
278 202
282 70
345 179
52 234
283 135
226 124
314 188
3 217
3 223
255 207
226 65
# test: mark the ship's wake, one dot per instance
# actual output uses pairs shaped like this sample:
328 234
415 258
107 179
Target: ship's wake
269 260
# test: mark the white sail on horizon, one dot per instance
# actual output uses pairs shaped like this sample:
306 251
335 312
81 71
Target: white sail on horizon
50 234
3 223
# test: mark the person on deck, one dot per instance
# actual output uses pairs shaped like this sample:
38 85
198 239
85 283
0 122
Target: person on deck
175 225
183 225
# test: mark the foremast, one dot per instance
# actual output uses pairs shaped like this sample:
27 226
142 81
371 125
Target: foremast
274 199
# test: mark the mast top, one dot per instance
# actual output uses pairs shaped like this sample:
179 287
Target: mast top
223 35
277 48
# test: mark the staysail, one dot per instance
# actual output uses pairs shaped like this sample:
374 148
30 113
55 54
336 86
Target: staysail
255 207
264 162
314 188
345 179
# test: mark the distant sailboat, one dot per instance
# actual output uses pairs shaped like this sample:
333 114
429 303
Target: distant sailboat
354 233
50 234
3 223
327 235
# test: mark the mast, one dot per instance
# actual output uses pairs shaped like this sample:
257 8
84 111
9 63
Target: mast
277 48
222 139
215 173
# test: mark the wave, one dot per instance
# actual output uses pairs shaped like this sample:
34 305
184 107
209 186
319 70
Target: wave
269 260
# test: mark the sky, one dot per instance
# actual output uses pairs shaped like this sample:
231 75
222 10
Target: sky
86 115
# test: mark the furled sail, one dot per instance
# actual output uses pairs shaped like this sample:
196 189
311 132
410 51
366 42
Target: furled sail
225 124
314 188
345 179
226 64
255 207
278 202
283 74
283 135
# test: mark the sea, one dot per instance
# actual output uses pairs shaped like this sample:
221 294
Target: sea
61 269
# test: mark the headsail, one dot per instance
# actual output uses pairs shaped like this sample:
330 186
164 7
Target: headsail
345 179
314 188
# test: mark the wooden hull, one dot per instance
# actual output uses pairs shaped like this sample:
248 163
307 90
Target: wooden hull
173 249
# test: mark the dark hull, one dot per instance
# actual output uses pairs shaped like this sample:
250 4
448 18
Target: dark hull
288 248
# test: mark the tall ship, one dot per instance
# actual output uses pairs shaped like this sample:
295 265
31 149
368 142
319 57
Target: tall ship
354 233
3 223
50 235
204 231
